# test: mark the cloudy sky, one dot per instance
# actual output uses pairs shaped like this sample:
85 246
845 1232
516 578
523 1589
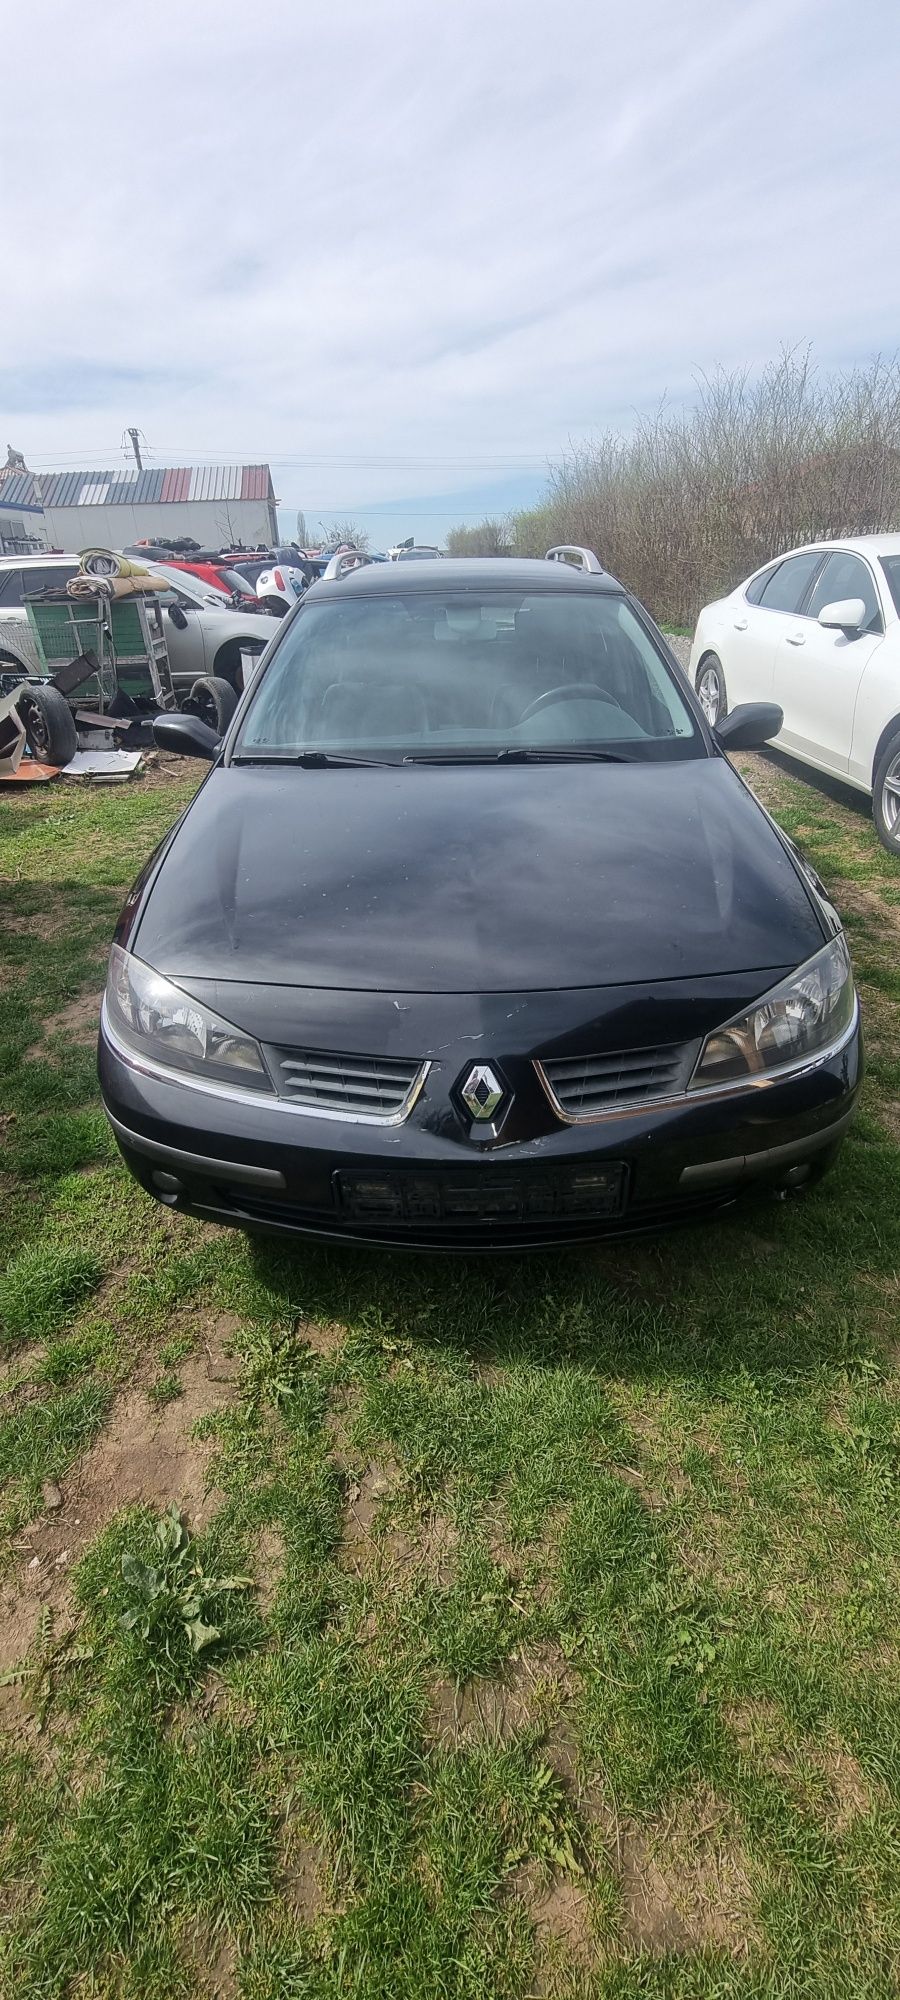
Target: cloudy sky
405 251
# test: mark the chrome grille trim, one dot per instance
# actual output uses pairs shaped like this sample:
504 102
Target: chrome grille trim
584 1088
376 1090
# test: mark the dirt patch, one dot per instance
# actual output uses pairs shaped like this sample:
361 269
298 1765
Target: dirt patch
299 1876
560 1912
495 1708
21 1699
850 1795
366 1546
656 1499
856 900
78 1022
268 1562
158 771
211 1961
323 1337
219 1336
17 1384
145 1456
822 1775
683 1881
52 921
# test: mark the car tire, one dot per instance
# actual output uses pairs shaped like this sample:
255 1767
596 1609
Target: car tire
886 796
710 686
48 723
214 700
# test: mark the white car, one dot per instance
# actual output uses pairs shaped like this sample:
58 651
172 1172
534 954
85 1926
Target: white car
279 588
817 632
207 639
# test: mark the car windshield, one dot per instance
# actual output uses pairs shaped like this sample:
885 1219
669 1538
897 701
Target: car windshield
453 674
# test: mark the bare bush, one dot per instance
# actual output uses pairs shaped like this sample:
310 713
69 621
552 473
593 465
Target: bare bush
337 532
492 537
692 501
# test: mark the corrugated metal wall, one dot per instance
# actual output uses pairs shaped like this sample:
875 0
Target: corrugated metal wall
212 521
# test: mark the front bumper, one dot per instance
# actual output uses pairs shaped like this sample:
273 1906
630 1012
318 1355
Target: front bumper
243 1161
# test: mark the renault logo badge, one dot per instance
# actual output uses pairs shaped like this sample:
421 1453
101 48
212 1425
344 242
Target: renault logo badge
481 1091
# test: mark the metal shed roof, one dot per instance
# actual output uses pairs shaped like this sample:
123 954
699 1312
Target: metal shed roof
166 484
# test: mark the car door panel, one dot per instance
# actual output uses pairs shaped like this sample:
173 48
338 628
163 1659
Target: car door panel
748 653
760 628
817 684
818 668
184 640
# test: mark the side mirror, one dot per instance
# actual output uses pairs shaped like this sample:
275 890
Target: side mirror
848 614
749 725
186 735
178 617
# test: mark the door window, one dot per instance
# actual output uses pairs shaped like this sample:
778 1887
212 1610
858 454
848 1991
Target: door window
10 587
755 589
788 584
52 578
846 575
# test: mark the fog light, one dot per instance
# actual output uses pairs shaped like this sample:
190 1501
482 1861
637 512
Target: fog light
797 1176
168 1184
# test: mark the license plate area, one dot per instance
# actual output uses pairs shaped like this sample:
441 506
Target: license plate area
592 1193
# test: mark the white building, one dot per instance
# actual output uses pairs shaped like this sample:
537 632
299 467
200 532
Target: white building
217 505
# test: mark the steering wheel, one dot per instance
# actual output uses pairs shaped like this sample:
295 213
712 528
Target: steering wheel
572 691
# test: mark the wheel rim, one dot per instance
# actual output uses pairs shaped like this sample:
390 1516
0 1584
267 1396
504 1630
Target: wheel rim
709 692
890 799
34 723
204 705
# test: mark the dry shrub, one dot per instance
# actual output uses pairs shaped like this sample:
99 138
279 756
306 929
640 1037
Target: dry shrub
691 501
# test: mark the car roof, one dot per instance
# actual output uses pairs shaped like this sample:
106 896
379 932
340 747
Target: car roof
466 573
37 562
864 545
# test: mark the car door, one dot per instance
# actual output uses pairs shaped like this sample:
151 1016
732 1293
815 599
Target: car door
184 636
746 643
818 668
755 629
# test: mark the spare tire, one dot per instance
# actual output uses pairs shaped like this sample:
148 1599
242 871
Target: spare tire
214 700
48 723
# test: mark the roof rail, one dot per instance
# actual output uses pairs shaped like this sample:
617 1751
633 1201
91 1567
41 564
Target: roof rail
586 557
345 560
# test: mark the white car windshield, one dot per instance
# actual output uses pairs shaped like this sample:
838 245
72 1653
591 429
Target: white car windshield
454 674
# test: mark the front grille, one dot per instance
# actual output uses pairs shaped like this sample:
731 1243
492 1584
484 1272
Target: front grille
371 1087
587 1086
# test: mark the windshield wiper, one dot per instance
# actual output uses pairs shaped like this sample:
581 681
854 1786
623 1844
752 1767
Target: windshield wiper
519 754
315 760
526 753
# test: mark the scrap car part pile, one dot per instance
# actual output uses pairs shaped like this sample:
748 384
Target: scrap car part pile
100 640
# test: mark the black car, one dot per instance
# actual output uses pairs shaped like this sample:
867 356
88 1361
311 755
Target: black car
473 936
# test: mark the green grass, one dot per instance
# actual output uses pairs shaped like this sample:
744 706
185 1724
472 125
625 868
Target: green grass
555 1602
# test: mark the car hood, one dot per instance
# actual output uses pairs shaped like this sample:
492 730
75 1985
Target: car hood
475 879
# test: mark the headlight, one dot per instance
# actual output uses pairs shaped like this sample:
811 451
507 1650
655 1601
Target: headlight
157 1020
806 1014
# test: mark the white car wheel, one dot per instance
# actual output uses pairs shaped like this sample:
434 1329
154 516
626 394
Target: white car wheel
886 796
711 689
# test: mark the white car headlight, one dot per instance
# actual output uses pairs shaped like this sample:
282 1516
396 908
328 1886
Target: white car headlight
159 1021
807 1014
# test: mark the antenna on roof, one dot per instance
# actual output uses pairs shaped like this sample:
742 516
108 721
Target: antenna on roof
137 439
